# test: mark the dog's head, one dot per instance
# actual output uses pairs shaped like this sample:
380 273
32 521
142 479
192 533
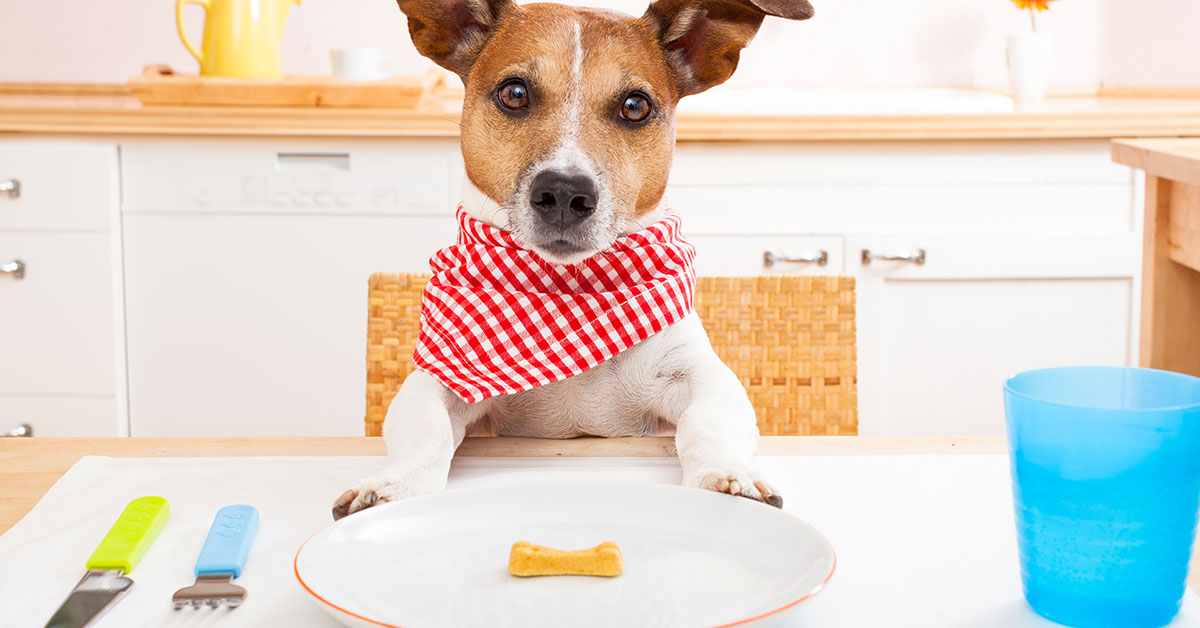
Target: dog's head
568 120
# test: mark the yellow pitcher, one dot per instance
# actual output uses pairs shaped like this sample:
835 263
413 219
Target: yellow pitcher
241 37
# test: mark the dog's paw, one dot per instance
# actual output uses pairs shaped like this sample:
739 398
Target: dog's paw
352 501
739 481
382 488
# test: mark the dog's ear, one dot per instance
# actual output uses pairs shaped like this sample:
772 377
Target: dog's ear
703 38
453 32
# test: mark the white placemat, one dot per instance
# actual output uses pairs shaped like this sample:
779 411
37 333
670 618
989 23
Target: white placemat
921 540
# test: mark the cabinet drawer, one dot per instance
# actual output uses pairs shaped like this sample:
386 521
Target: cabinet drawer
740 256
61 416
951 256
820 208
56 323
69 186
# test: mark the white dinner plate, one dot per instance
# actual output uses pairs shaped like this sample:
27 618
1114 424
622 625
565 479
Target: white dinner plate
692 558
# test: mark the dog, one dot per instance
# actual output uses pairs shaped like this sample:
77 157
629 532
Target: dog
568 131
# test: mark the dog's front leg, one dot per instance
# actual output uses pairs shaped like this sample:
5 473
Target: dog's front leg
425 423
716 435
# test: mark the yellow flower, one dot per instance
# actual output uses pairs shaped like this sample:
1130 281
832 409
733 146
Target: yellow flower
1040 5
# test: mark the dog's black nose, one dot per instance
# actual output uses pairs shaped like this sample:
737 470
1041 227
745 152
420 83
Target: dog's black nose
561 199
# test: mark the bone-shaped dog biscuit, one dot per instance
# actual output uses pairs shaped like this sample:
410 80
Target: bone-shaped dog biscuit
527 559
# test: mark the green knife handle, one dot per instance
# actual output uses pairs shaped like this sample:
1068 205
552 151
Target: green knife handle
131 535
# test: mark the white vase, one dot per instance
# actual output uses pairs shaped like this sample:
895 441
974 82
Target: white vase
1028 66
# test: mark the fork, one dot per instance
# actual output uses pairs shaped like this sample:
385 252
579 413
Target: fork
221 560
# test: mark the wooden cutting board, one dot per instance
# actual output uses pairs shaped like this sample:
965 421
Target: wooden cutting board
159 85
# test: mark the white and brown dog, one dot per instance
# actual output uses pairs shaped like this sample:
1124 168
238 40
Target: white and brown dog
568 129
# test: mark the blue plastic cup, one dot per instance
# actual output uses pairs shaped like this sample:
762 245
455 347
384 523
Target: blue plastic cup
1106 485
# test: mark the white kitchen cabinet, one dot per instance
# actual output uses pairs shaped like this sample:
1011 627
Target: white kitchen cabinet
61 345
245 263
61 185
1032 258
247 317
937 340
64 414
253 325
239 266
744 255
59 316
862 207
290 177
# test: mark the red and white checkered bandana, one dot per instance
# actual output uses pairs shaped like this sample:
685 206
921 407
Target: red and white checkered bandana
497 319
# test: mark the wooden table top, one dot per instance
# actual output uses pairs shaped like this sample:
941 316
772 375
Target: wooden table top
1175 158
30 466
110 110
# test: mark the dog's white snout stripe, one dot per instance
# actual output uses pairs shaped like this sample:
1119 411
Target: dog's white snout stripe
568 155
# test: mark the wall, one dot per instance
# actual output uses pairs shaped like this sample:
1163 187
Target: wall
855 43
1153 42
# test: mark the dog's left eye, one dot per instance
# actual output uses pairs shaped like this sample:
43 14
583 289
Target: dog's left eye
636 107
513 95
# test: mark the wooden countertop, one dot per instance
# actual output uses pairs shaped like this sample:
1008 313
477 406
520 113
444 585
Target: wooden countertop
109 110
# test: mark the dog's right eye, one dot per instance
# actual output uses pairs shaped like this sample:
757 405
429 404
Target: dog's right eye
513 96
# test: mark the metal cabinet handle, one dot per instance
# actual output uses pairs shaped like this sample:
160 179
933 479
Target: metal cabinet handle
917 257
23 429
16 268
10 189
820 258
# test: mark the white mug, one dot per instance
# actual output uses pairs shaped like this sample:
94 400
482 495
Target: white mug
362 64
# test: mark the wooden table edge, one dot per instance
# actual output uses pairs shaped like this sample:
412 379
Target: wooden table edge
1174 158
30 467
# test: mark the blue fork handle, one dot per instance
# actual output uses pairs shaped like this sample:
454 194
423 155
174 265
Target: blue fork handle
228 541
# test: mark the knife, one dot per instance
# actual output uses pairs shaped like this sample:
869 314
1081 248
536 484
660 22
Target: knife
122 548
